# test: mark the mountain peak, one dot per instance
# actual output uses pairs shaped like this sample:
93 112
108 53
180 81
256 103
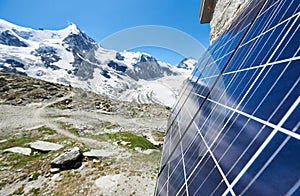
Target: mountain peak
187 63
72 28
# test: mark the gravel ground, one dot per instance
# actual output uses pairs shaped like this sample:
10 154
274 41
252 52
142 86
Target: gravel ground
33 110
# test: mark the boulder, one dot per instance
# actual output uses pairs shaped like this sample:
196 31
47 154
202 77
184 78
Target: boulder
20 150
45 146
70 159
54 170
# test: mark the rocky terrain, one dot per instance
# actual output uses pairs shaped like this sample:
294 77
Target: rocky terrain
225 12
61 140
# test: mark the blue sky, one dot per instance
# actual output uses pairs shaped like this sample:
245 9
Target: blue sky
102 18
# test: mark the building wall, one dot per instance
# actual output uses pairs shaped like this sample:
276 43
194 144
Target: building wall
224 13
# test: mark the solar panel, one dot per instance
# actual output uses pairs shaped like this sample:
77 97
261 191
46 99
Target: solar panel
235 128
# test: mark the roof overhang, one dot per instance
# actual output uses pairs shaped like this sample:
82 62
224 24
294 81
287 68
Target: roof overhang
207 10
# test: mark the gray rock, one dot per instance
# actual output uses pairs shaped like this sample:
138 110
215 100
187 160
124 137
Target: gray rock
98 153
20 150
45 146
54 170
2 141
70 159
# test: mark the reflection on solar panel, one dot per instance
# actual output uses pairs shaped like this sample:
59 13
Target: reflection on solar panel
235 128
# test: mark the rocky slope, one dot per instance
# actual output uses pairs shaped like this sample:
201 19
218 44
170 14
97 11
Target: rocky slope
71 57
120 140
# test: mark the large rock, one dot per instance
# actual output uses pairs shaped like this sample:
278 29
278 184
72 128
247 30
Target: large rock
70 159
20 150
98 153
224 13
45 146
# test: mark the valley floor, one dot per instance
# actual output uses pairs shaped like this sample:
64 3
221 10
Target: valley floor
33 110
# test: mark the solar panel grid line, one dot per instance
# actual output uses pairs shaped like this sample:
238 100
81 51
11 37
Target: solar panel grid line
290 3
257 40
234 139
185 99
281 129
183 163
263 65
237 85
171 174
271 88
184 172
196 81
202 70
266 164
225 124
211 154
290 38
252 84
203 151
262 147
216 164
270 29
206 60
294 188
196 167
217 187
241 63
246 149
267 23
263 71
179 140
268 7
204 180
264 15
239 21
249 8
283 39
246 57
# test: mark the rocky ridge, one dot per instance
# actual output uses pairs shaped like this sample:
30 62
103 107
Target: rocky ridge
119 141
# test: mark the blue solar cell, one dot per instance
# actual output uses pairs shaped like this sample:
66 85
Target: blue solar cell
196 179
290 46
237 119
274 179
292 122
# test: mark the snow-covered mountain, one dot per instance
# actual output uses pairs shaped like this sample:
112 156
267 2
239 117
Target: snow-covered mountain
71 57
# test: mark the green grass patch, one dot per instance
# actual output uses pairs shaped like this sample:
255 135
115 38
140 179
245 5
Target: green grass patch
60 116
46 130
133 139
20 161
63 105
35 175
112 126
15 142
35 191
69 128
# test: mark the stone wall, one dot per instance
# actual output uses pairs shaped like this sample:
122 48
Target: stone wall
224 14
